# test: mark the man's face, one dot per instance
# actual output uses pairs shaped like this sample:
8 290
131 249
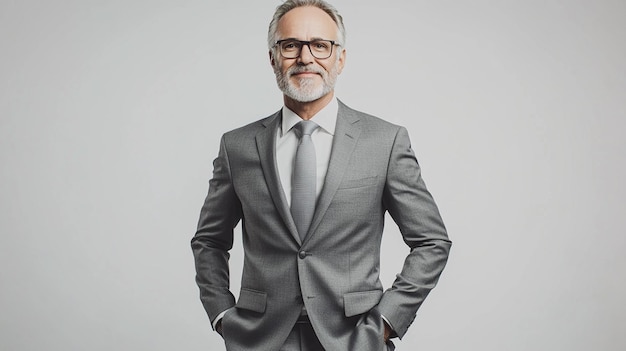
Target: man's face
307 78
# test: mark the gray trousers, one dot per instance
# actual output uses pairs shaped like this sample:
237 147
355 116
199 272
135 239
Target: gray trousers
303 338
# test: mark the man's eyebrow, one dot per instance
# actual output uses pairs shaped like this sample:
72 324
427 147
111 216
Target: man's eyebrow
319 38
312 39
287 39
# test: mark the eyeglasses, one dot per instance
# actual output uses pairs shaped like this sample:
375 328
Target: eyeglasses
292 48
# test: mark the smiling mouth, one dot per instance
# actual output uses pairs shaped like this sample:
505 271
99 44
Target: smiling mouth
305 74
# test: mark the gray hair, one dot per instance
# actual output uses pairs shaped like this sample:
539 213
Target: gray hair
292 4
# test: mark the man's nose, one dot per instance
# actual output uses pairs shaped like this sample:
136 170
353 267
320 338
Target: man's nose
305 55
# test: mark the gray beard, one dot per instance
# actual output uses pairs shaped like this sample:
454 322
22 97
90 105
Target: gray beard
308 90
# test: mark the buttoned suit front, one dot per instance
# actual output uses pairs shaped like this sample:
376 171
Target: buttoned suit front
334 271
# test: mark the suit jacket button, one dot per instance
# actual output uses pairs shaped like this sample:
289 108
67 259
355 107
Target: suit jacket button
302 254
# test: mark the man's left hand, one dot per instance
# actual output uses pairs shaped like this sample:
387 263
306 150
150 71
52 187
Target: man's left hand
388 331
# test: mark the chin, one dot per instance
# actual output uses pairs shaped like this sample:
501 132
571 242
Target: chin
303 94
308 96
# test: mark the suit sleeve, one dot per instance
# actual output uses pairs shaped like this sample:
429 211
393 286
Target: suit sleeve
214 238
413 209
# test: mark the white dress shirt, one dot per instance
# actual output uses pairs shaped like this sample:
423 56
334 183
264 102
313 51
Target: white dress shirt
287 144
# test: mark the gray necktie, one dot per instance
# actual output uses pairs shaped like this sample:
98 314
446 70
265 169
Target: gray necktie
304 178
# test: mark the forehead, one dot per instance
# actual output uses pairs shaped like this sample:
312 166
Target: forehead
305 23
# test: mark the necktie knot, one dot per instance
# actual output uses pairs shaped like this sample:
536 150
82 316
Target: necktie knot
306 128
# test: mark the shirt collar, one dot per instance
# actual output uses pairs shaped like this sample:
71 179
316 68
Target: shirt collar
326 118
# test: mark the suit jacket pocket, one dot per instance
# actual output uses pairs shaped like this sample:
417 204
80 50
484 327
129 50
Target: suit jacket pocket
358 183
252 300
355 303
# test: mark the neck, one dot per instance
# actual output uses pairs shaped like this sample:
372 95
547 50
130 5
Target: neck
306 110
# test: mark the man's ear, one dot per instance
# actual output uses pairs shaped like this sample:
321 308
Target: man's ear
342 60
272 61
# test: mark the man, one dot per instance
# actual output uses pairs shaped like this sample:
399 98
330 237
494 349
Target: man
312 198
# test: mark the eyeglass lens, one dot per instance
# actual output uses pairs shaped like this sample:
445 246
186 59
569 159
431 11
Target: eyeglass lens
320 49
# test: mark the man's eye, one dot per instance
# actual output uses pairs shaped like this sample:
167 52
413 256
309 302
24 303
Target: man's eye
320 45
290 46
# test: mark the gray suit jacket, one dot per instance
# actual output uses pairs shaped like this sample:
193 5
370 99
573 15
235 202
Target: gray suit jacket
334 272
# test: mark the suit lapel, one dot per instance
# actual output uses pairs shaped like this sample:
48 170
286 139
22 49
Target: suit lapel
347 133
266 144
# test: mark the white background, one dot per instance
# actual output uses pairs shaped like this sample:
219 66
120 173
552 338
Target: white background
111 113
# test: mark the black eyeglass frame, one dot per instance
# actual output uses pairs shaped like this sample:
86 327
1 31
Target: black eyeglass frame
308 44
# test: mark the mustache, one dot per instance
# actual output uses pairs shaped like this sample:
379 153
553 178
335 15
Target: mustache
302 69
